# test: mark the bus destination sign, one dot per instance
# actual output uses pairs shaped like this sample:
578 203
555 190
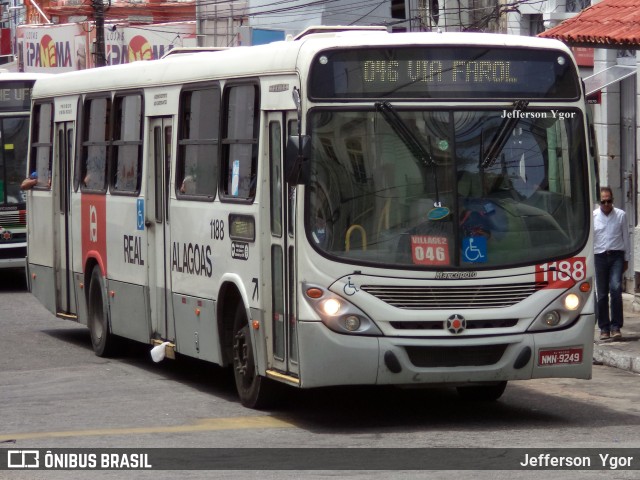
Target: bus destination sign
15 96
443 72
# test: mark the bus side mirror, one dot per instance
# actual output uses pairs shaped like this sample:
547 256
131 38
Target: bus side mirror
296 159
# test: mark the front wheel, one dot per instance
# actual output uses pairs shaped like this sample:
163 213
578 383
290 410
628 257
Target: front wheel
254 390
482 393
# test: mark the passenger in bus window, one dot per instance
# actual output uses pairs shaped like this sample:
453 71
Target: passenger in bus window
188 186
30 182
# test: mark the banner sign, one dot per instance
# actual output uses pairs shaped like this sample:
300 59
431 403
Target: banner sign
63 48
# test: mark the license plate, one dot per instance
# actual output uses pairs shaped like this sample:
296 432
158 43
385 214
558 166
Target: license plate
559 356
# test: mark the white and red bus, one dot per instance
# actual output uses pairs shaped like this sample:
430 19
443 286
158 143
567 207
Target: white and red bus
15 104
341 208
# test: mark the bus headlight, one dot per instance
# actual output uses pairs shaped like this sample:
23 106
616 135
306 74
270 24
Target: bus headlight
337 313
331 306
572 301
352 323
564 310
551 318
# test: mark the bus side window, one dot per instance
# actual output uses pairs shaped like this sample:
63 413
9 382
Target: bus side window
95 142
41 146
197 163
127 144
240 144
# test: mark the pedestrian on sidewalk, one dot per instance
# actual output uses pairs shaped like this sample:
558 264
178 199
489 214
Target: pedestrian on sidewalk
611 249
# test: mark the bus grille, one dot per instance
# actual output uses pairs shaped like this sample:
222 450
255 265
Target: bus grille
474 356
439 324
13 220
10 253
454 297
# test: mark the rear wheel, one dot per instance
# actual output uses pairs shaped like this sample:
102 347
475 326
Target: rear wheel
104 343
254 390
482 393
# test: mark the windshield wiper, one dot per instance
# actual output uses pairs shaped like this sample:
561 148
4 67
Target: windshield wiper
418 150
406 135
499 140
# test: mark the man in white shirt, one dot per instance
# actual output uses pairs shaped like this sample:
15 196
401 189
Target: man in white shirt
611 249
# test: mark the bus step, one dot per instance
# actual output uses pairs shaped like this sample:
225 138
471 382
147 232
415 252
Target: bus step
283 378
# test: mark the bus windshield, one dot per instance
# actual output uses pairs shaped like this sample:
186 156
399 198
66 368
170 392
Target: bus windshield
13 158
442 189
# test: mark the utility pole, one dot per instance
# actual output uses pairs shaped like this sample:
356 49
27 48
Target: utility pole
199 21
99 56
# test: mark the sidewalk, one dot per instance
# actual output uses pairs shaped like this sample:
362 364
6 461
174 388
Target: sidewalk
623 353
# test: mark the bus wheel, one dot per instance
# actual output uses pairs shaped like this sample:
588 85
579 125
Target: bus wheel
482 393
102 340
254 391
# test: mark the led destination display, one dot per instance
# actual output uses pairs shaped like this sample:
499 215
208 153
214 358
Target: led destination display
16 95
443 72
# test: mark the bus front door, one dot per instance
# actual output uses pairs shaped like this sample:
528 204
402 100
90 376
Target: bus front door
157 225
65 299
282 315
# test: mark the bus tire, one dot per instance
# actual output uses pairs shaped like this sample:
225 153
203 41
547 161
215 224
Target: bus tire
482 393
102 339
254 390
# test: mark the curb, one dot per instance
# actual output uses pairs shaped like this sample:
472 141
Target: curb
625 354
617 359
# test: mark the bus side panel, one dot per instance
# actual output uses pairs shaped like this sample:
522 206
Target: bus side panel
128 306
197 255
40 222
80 292
77 262
41 254
196 334
42 285
126 251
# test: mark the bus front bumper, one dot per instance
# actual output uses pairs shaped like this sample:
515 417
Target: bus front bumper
328 358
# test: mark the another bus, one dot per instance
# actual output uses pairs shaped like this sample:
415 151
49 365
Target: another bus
15 103
341 208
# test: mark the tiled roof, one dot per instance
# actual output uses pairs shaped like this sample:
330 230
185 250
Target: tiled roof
610 23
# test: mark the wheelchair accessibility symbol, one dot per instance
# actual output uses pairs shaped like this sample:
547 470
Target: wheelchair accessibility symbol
474 249
350 288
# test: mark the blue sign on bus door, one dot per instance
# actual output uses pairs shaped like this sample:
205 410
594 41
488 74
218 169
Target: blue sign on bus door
141 214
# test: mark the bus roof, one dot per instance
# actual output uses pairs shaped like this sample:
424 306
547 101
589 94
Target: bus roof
288 56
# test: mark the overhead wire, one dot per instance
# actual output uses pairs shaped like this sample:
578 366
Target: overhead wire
288 12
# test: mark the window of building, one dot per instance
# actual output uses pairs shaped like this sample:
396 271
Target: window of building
536 25
577 5
398 9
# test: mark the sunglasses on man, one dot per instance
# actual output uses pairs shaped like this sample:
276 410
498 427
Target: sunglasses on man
605 202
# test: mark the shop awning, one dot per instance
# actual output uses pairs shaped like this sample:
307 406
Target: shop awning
597 82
